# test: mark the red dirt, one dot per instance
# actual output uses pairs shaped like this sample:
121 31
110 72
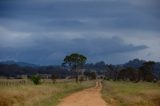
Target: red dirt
87 97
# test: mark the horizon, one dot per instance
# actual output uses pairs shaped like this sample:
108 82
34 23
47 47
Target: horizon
85 63
113 31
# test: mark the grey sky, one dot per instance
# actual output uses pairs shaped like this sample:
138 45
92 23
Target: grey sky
44 31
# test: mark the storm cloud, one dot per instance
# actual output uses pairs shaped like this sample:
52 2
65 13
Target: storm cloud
44 31
55 50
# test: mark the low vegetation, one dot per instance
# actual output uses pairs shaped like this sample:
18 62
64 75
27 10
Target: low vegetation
36 79
41 95
121 93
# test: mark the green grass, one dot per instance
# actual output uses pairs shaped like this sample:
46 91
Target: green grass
131 94
39 95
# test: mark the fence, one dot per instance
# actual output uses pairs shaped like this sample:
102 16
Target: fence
18 82
12 82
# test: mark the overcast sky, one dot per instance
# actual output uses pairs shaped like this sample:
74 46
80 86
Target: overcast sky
45 31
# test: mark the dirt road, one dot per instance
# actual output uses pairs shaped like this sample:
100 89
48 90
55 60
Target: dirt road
87 97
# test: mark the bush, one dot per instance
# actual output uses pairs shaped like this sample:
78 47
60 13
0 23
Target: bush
81 78
54 77
36 79
93 75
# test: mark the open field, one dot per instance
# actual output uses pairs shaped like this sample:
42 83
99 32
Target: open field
46 94
131 94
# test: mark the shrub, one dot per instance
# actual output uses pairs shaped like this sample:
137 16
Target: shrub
54 77
36 79
93 75
81 78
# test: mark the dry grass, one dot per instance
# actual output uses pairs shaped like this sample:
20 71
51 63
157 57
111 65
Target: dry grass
40 95
131 94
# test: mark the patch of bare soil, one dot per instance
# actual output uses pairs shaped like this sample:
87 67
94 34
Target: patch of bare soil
87 97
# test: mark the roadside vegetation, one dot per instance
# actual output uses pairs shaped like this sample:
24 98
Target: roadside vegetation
41 95
122 93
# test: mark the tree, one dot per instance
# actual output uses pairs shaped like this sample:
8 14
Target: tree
75 61
147 71
93 75
129 73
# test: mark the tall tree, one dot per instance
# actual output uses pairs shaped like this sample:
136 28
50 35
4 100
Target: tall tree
75 61
147 71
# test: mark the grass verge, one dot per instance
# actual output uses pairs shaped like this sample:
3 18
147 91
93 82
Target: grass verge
39 95
131 94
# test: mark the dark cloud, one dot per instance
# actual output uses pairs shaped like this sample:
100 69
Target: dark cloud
50 51
81 15
44 31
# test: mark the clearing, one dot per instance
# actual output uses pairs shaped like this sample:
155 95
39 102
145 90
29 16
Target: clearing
87 97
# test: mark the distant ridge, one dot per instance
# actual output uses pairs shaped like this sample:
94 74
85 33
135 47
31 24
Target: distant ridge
135 63
21 64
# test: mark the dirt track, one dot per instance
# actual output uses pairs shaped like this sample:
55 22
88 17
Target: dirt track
87 97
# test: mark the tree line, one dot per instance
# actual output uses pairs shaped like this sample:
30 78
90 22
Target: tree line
142 73
73 63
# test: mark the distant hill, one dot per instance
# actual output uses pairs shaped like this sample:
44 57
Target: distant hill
21 64
136 63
